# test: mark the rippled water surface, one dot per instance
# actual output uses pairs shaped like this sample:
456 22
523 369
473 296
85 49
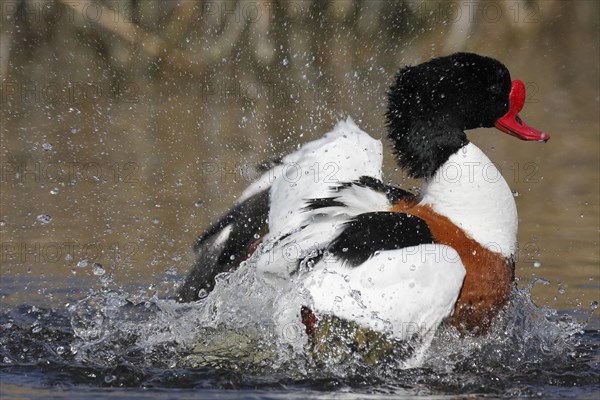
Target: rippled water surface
143 346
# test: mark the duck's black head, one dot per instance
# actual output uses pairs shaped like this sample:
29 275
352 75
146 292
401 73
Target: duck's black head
432 104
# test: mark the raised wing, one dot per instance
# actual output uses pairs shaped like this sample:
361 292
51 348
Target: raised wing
282 196
225 244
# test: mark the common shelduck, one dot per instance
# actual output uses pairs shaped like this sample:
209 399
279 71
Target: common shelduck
375 254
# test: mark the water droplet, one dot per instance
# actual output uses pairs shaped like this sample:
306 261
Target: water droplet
47 146
536 281
2 223
55 191
82 263
73 130
178 183
594 305
44 218
60 350
202 293
537 264
199 204
338 299
285 61
561 289
515 194
97 269
232 257
413 267
155 221
106 279
346 278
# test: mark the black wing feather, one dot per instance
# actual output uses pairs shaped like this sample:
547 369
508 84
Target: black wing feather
247 220
368 233
393 193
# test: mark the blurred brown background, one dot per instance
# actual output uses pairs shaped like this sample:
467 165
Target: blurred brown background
127 126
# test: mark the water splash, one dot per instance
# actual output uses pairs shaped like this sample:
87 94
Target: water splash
243 324
249 325
240 335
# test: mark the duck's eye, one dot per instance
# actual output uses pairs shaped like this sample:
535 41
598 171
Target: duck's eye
495 88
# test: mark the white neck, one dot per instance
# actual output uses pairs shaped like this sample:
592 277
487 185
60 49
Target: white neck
471 192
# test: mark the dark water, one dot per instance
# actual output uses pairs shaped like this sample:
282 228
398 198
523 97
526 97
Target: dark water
119 343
